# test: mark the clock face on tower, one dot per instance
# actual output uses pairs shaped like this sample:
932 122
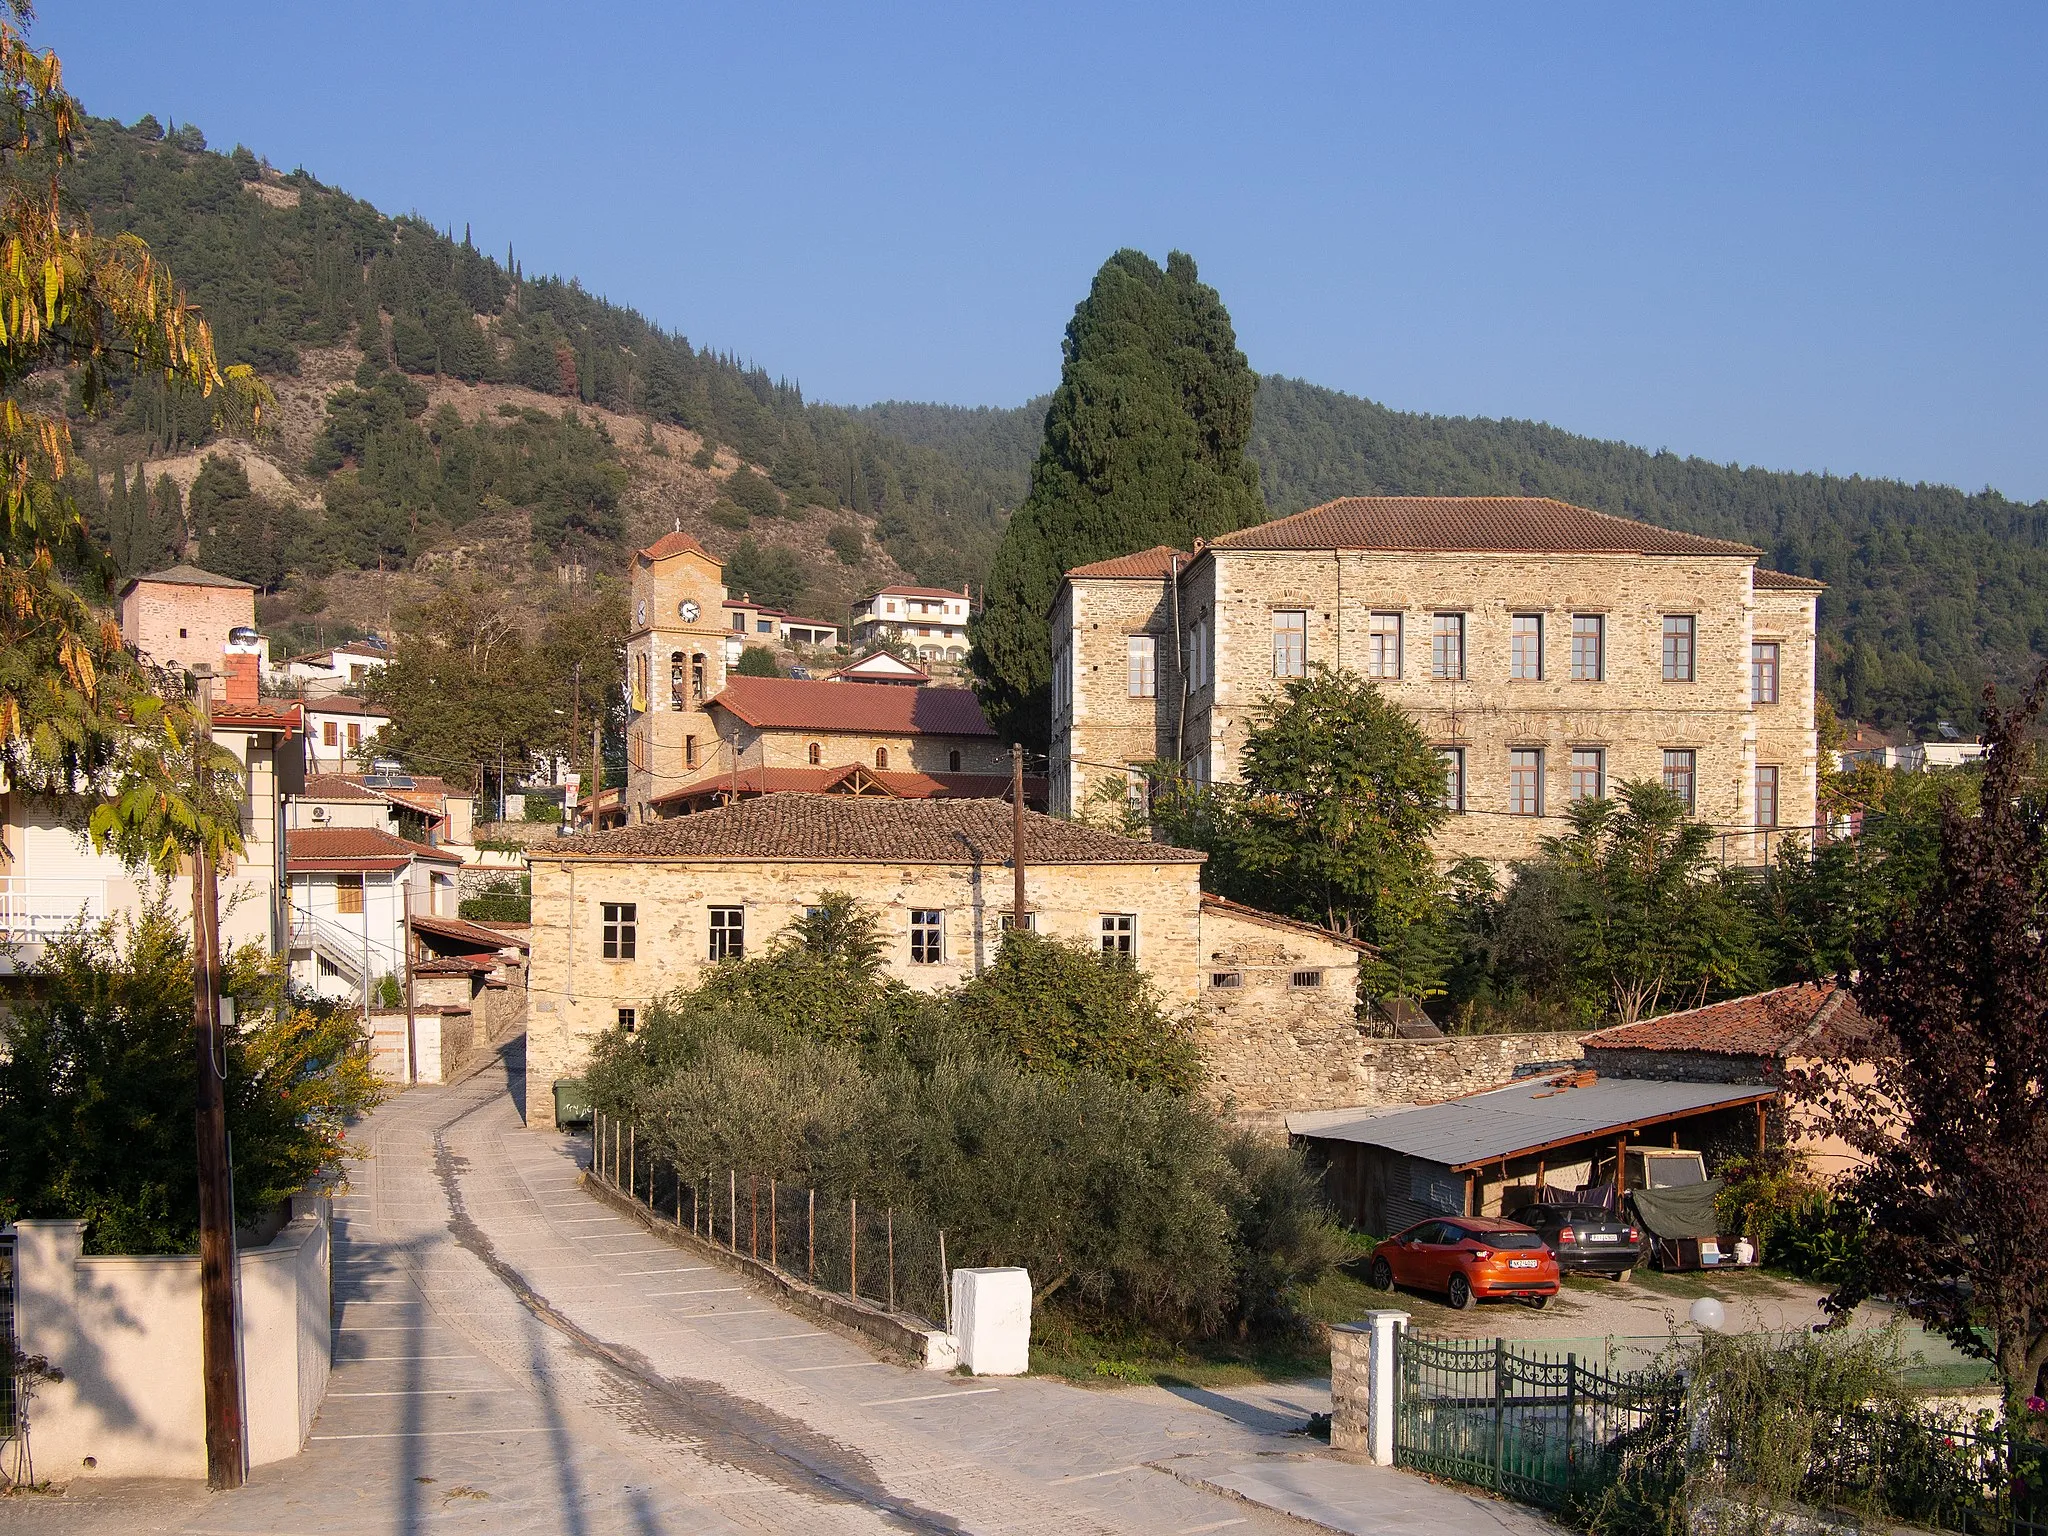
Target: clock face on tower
640 613
689 611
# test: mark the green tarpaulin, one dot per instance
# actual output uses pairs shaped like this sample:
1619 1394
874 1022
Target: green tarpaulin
1687 1211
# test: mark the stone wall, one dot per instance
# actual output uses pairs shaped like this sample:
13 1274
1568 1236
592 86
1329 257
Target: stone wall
182 625
757 748
576 993
1631 714
1307 1062
656 730
1109 724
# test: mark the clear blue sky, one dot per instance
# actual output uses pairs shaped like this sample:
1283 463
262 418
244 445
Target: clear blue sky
1803 236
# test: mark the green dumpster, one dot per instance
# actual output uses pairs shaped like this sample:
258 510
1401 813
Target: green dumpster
572 1102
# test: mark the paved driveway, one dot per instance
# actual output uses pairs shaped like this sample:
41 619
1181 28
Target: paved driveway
512 1356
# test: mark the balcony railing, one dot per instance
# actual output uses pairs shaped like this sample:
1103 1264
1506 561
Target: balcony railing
37 907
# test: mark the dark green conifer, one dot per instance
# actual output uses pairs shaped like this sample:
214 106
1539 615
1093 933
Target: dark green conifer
1144 444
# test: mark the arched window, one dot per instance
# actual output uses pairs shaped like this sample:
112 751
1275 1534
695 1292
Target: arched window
881 757
697 677
675 680
815 753
953 761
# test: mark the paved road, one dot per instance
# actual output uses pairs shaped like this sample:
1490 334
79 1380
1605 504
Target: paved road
512 1356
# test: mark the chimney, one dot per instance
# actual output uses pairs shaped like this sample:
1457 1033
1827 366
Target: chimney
241 681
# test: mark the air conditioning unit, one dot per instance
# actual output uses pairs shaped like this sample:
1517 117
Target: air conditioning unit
319 813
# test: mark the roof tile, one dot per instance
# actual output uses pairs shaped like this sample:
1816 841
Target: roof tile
1493 524
1763 1024
350 847
677 543
1154 564
862 830
1783 581
812 704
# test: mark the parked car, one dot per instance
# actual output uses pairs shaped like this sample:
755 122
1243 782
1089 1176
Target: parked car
1587 1238
1468 1259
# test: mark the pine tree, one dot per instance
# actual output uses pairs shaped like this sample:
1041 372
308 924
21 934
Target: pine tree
1144 444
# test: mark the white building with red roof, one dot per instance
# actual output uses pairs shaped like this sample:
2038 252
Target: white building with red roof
352 888
930 620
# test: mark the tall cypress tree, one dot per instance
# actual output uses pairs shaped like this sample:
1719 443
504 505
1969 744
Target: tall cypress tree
1144 445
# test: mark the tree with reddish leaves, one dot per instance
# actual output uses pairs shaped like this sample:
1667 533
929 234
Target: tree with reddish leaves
1949 1111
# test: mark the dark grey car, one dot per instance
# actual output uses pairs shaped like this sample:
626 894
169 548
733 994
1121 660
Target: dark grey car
1587 1239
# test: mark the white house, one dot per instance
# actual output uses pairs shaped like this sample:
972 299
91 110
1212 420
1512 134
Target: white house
931 620
337 728
757 624
351 890
51 877
344 666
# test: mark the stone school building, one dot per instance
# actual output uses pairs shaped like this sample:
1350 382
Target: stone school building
621 917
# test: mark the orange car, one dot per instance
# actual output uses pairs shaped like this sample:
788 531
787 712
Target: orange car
1469 1259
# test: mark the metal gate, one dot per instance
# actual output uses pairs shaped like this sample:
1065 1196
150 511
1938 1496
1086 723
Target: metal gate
1535 1428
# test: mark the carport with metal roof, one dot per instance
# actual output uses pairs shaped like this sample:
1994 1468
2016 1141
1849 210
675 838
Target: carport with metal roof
1385 1168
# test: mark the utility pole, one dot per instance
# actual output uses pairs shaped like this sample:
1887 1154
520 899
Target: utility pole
412 1053
219 1333
575 711
596 769
1017 834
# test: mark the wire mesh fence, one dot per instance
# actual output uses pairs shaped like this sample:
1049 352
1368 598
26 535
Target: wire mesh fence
895 1259
1555 1429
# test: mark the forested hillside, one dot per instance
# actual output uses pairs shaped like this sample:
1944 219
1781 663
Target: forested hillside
434 395
311 285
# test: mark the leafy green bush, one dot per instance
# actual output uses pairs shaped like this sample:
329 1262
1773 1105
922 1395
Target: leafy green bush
757 661
1127 1199
845 541
1060 1006
97 1092
502 901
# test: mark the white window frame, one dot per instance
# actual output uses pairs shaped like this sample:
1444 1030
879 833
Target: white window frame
1119 934
619 936
927 936
1383 637
1454 776
1290 642
1141 652
728 930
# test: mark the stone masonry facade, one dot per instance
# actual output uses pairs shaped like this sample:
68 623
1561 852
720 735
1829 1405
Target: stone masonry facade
180 624
1524 721
772 747
576 993
675 662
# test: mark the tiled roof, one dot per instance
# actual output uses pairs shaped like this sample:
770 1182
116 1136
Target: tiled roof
1238 909
879 661
895 783
1154 564
1494 524
860 829
348 849
190 576
914 592
269 715
874 709
465 932
344 704
1773 1024
677 544
1784 581
335 786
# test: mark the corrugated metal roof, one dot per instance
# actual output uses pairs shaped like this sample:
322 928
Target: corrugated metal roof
1522 1117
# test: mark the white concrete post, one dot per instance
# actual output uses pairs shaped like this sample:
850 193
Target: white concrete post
1364 1360
992 1320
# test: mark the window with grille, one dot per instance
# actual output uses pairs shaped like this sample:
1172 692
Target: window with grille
1226 979
1305 979
1290 643
1589 774
927 936
1525 781
348 893
1119 933
1678 647
728 933
621 930
1763 672
1454 777
1525 647
1142 652
1447 647
1680 770
1589 647
1383 646
1767 797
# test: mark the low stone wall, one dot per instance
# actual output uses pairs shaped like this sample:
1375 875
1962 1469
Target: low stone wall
1265 1070
932 1348
124 1329
443 1044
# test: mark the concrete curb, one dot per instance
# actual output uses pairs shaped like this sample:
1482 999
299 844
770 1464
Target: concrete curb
907 1338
